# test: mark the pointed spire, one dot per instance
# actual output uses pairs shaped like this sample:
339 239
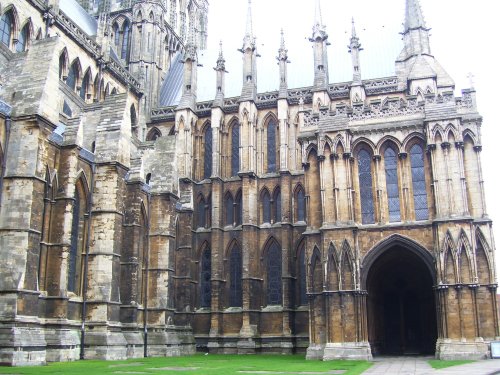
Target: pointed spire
319 29
249 39
249 19
414 16
415 34
249 50
220 60
319 38
282 61
354 48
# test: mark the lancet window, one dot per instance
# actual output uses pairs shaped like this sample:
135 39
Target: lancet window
365 187
418 182
205 278
391 184
273 263
235 282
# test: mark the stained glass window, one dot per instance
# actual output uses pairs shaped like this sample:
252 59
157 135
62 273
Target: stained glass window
365 187
302 277
124 50
235 149
301 205
22 41
205 277
271 146
6 28
277 206
238 214
266 207
73 252
207 169
235 284
72 76
418 181
391 184
229 209
274 295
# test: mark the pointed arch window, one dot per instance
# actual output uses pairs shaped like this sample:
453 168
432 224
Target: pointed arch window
124 49
391 184
72 76
153 135
229 209
22 41
365 187
6 27
274 282
205 278
207 169
62 65
266 207
85 85
235 149
418 182
271 146
235 282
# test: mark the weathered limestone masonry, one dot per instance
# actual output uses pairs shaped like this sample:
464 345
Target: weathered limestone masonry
339 220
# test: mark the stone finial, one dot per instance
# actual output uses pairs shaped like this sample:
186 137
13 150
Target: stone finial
220 71
354 49
282 61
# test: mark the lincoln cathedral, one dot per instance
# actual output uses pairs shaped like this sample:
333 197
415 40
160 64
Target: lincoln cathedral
338 220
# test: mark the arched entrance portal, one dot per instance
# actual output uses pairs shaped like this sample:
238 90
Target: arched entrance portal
401 306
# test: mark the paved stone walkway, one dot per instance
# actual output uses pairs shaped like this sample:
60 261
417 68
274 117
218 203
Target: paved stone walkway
419 366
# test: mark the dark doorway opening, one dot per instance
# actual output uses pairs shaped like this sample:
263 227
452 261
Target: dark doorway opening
401 305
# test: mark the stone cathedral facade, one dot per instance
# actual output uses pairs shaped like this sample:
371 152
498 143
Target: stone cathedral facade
339 220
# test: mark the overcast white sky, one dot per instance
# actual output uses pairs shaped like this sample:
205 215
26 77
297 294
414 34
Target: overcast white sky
464 38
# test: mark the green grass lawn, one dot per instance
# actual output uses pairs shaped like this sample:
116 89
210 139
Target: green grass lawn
196 365
437 364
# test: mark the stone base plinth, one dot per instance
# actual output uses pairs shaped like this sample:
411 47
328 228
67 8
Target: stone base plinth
170 342
105 345
22 346
315 351
450 350
63 344
348 350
